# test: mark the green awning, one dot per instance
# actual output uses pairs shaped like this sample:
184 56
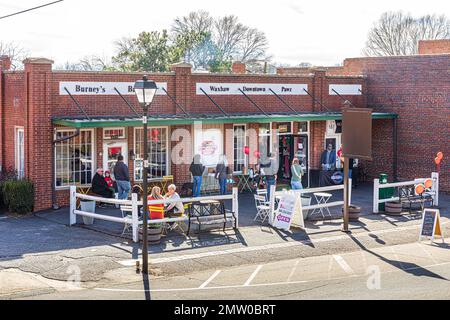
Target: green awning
166 120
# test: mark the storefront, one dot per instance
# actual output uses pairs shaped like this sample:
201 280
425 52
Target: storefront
67 124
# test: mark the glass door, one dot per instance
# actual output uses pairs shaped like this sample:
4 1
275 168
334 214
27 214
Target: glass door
111 151
301 151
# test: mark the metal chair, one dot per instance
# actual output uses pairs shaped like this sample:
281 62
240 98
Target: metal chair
128 227
262 208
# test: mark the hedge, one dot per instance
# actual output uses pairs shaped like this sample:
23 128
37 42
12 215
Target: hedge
18 195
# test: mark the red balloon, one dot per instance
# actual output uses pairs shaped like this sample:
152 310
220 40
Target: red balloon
246 150
155 132
437 160
257 154
440 155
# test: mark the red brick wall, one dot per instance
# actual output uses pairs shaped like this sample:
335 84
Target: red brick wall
434 46
417 88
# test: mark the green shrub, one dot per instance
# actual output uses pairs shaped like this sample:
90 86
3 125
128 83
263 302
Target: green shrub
18 195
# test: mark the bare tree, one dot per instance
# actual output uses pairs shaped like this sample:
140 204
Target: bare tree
396 33
15 52
88 63
229 34
253 45
198 22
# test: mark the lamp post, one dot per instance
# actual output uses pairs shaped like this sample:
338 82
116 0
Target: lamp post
145 91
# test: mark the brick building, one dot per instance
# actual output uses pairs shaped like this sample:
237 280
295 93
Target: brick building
57 127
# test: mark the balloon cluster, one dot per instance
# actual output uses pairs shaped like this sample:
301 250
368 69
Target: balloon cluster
438 158
256 153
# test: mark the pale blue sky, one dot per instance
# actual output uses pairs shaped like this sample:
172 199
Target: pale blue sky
321 32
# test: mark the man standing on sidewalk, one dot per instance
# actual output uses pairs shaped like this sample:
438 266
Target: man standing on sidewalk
270 169
122 177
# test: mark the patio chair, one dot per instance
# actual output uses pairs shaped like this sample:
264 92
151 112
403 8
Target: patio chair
262 192
262 208
126 213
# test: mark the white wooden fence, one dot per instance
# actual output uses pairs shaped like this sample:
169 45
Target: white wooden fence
300 192
377 186
135 204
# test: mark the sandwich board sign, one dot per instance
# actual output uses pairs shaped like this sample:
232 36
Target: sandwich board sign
289 208
431 224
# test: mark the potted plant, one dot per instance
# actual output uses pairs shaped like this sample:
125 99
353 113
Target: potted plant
87 206
154 233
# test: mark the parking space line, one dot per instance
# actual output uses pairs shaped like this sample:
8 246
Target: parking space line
293 271
253 275
204 284
343 264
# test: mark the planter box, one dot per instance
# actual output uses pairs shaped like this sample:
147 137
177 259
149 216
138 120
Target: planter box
88 206
153 235
393 208
353 212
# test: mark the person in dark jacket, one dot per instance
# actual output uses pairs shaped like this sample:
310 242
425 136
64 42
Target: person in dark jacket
196 168
100 186
221 174
122 177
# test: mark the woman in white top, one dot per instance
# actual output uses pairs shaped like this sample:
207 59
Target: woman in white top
174 207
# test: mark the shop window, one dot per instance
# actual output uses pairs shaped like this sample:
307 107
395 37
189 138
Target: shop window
157 156
74 158
303 127
239 142
20 152
264 139
114 133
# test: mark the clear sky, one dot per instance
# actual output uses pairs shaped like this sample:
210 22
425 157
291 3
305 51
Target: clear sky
322 32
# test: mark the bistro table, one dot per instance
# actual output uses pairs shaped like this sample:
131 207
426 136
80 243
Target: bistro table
243 182
322 198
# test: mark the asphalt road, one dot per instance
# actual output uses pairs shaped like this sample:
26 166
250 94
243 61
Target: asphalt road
408 271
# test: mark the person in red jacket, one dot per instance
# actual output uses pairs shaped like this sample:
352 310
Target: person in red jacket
156 211
109 179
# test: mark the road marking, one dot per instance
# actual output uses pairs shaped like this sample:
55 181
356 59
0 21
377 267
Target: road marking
252 276
204 284
132 262
293 271
263 284
344 265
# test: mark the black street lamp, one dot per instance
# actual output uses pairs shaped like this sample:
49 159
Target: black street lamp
145 91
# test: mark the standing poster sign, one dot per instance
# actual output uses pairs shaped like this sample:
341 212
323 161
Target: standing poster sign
289 208
431 224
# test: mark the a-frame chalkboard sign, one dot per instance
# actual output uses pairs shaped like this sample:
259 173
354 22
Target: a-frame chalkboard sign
431 224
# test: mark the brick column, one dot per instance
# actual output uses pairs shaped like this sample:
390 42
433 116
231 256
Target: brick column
319 91
39 134
182 92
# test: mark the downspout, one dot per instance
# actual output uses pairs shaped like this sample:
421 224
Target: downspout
394 149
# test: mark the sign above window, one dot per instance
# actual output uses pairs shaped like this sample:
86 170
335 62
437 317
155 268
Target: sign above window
284 127
251 88
103 88
114 133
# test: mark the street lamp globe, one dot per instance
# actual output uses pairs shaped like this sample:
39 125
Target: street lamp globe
145 90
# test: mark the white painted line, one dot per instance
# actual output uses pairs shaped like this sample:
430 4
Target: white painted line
204 284
262 284
252 276
344 265
293 271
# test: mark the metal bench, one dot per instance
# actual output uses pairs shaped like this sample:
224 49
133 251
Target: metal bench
209 213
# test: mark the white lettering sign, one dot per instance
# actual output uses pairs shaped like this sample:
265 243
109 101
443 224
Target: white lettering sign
251 88
102 88
345 89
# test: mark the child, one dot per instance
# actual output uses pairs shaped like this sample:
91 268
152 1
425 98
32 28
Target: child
108 179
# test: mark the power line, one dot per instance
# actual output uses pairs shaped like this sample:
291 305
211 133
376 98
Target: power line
34 8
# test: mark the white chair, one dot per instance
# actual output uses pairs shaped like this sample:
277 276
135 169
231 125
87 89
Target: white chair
125 210
262 208
262 192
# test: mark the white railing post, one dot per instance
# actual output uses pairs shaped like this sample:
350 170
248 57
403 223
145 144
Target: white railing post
73 205
349 191
272 204
135 217
235 205
435 177
376 186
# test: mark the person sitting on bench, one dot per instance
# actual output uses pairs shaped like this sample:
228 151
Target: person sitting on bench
174 208
100 186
